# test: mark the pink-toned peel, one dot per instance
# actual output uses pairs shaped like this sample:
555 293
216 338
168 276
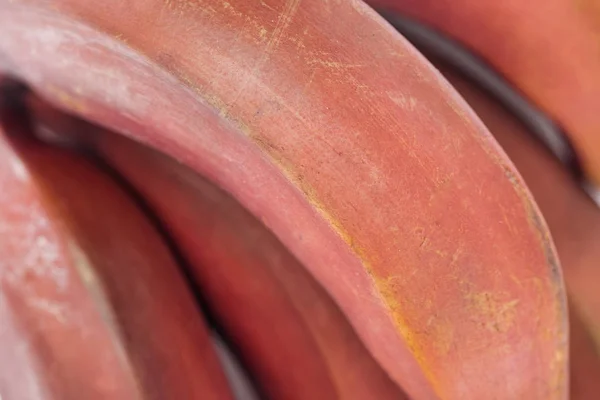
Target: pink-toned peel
321 121
92 304
293 337
547 48
291 333
574 221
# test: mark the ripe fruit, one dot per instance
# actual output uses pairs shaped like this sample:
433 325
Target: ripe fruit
547 49
92 303
324 124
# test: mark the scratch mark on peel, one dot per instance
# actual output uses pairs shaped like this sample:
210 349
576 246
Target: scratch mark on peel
506 220
284 21
285 18
334 64
281 101
230 8
406 102
265 5
456 255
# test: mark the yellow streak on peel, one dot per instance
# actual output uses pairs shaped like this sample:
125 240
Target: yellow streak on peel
384 288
